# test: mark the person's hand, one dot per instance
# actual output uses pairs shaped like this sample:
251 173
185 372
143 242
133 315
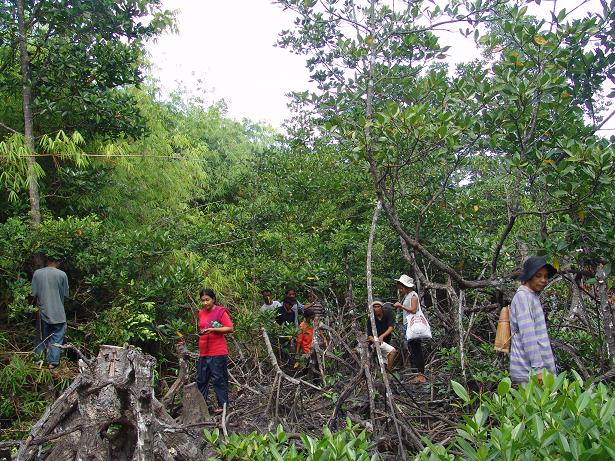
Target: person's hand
539 377
398 305
381 338
206 331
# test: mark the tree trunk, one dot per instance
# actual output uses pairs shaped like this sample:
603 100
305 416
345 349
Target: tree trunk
35 210
372 319
607 313
110 412
460 310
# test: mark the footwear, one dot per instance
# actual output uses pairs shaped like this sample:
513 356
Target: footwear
51 366
218 411
418 379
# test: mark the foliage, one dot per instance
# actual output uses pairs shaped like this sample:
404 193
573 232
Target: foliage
70 62
126 321
13 248
81 54
480 367
24 384
65 237
345 445
564 418
473 164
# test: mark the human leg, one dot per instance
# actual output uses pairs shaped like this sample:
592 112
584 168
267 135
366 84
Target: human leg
219 377
41 337
55 331
203 374
417 359
390 353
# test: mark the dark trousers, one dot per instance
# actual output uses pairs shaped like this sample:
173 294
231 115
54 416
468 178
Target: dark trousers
416 355
214 369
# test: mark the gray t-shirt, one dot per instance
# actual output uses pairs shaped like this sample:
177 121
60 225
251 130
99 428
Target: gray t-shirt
50 286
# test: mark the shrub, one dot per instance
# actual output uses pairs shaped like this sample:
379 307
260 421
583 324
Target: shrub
24 392
564 418
126 321
345 445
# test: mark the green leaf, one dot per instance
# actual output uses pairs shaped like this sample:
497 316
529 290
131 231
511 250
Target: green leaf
504 386
517 430
539 426
582 401
460 391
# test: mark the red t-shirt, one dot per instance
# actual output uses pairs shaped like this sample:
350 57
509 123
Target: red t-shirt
213 344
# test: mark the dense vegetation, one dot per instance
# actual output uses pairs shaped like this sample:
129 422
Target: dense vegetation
147 199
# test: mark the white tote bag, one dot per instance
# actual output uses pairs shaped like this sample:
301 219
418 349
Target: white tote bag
418 326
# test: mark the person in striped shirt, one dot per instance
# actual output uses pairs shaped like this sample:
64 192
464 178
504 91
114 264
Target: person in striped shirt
530 348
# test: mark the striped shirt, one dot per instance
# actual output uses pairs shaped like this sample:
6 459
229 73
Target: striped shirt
530 348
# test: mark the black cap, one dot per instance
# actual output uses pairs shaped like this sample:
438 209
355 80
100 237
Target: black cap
533 265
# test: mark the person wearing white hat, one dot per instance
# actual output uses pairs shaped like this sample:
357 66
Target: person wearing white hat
384 328
409 306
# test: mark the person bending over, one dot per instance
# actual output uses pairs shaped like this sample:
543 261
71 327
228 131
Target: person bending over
384 328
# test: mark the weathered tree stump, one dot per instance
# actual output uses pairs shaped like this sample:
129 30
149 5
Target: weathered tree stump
110 412
194 407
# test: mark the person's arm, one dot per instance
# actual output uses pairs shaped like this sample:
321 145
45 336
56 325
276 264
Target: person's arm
34 291
386 333
390 325
221 330
227 326
299 339
65 290
368 330
412 308
324 338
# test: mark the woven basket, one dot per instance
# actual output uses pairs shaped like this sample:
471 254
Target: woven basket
502 334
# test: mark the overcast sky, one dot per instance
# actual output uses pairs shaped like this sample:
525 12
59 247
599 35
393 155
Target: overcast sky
225 50
228 46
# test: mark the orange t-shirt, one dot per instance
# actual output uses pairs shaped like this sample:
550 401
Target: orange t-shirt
305 337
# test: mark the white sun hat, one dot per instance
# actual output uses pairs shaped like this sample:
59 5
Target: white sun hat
406 280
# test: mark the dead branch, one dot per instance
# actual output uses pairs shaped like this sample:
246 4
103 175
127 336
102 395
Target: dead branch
76 350
182 376
276 366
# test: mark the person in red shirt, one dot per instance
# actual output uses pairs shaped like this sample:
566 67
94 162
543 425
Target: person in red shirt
214 323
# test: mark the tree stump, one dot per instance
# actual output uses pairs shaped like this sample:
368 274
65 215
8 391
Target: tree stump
109 412
194 407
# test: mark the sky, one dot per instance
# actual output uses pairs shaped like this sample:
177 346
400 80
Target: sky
225 50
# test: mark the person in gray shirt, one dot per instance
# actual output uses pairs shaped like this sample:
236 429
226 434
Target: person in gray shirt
49 288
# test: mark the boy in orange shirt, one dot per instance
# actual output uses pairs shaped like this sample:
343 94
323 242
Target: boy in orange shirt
305 339
306 332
